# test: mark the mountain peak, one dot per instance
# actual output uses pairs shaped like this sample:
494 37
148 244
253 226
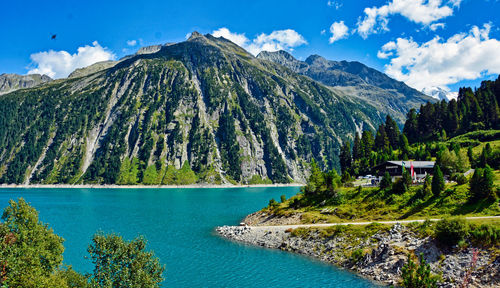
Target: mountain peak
316 60
276 54
283 58
195 35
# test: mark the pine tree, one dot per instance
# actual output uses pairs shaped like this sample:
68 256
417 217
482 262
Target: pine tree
345 157
381 139
367 142
386 181
411 126
392 131
417 275
437 181
357 149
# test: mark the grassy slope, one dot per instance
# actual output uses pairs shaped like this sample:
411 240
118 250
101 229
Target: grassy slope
372 204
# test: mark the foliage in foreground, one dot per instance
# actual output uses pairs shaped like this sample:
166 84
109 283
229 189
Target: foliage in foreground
417 275
31 256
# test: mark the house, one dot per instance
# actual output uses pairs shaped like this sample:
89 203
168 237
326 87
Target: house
395 168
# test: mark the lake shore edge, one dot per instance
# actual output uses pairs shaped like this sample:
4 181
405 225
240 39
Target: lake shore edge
113 186
384 253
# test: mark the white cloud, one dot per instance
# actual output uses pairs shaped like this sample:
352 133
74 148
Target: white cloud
238 39
436 26
331 3
323 32
423 12
132 42
439 62
339 31
59 64
277 40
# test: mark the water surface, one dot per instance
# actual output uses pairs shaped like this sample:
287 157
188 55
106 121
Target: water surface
179 225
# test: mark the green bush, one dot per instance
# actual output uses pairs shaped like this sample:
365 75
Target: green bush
461 179
450 231
357 255
484 235
417 275
283 198
273 204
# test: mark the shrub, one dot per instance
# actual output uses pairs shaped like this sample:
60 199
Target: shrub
283 198
485 235
417 275
450 231
273 204
399 187
357 255
461 179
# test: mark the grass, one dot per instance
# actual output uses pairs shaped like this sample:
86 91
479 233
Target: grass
373 204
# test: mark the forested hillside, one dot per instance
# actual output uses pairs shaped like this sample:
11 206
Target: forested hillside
459 134
203 110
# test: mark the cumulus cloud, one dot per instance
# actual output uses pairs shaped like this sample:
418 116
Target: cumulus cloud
440 62
339 31
423 12
239 39
59 64
277 40
132 42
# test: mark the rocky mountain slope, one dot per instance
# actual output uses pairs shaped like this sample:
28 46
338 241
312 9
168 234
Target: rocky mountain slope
356 80
201 110
12 82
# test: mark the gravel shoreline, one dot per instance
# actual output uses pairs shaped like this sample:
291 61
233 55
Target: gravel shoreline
388 254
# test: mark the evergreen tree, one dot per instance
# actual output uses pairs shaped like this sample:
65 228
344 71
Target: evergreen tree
470 155
345 157
411 129
417 275
437 181
404 146
485 156
357 148
392 131
381 139
368 142
482 184
386 181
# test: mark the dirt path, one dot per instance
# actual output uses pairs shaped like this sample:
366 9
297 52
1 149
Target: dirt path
275 227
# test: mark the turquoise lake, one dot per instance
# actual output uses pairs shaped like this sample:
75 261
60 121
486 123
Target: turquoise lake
179 226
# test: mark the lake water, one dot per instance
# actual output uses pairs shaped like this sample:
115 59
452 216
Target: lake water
179 226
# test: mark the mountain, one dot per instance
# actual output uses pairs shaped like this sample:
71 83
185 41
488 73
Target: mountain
440 94
355 79
203 107
12 82
96 67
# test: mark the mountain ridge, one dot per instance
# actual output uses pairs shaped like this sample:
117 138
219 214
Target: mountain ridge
354 78
200 110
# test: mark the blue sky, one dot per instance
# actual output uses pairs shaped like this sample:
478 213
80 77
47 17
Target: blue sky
394 36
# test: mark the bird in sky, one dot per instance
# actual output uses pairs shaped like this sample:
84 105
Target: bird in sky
53 37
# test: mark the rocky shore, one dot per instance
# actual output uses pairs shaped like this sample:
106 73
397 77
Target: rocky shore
381 255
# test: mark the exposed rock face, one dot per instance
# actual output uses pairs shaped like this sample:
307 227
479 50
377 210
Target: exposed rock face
12 82
389 250
355 79
205 102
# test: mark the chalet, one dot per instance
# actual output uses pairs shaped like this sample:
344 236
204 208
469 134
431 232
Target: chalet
395 168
